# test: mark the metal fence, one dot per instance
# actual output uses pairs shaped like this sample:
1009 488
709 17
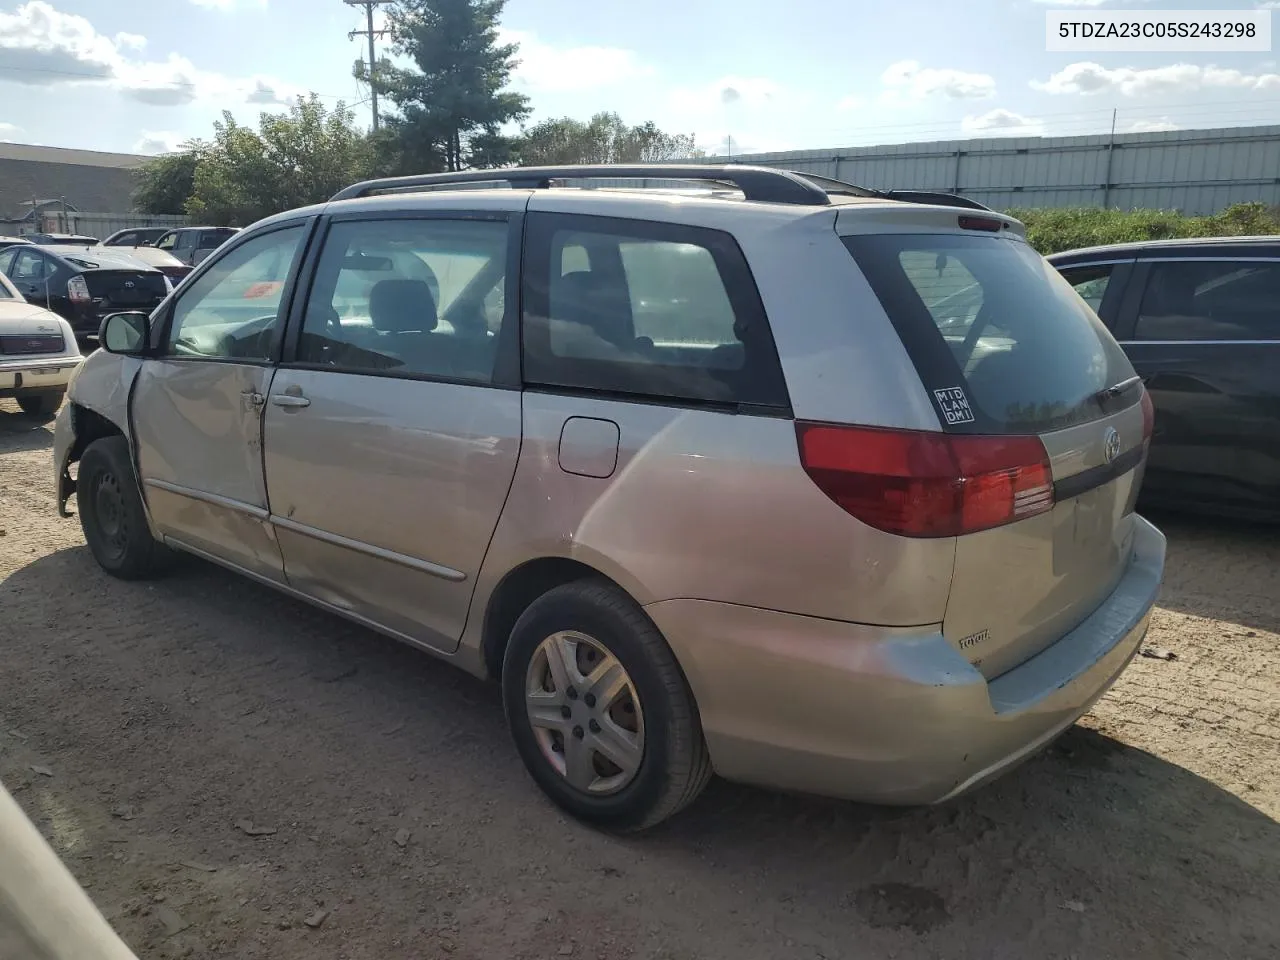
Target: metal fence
102 225
1194 171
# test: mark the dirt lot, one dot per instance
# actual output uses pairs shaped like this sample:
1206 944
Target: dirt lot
173 716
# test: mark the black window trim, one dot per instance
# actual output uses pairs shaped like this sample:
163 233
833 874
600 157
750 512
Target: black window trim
1109 309
1127 335
506 367
162 317
735 274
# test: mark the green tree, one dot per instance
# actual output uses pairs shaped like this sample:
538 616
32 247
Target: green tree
165 184
453 103
605 138
291 160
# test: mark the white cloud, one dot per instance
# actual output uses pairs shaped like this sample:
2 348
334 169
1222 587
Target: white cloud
1002 123
1091 78
851 102
1082 3
229 4
907 79
42 46
158 141
8 131
1161 125
548 69
726 92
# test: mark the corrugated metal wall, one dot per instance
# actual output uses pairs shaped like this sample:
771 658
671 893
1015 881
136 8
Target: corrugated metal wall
1195 171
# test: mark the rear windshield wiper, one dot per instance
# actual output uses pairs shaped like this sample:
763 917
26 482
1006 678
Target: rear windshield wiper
1116 389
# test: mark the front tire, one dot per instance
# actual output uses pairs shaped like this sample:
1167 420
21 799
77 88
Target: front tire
43 405
111 512
599 709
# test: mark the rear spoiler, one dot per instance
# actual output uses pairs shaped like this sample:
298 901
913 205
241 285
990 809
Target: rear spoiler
840 187
938 199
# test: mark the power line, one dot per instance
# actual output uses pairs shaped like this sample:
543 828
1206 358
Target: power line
369 6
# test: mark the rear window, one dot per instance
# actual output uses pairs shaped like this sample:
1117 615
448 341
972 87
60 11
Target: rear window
1001 341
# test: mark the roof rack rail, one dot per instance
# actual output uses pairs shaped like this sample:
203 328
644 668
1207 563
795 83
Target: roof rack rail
830 186
768 184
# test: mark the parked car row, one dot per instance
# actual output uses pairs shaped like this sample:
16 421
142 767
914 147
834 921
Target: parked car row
84 284
83 281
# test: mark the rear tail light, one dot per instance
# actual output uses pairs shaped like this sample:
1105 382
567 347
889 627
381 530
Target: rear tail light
924 484
981 223
78 290
1148 416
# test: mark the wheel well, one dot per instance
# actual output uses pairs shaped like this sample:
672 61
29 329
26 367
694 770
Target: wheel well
89 426
519 588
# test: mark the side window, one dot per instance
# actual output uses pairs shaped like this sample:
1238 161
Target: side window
658 310
6 261
231 311
167 242
677 296
1211 300
29 266
408 297
1090 282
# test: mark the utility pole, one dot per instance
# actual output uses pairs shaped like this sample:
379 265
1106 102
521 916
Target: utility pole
371 33
1111 149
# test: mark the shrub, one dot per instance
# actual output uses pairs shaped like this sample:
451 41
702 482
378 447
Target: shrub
1054 230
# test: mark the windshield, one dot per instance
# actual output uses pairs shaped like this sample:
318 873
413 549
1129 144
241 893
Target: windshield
1001 341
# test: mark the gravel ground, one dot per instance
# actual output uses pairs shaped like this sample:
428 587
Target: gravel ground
233 774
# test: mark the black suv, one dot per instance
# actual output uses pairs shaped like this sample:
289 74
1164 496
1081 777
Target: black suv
1200 321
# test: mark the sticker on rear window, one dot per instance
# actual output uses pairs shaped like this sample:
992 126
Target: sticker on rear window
954 405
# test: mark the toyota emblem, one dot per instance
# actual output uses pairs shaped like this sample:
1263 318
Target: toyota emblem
1110 445
129 284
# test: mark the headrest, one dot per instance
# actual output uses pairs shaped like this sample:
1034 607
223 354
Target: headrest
402 306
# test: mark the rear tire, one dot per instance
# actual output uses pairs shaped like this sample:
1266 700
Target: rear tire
111 512
43 405
645 716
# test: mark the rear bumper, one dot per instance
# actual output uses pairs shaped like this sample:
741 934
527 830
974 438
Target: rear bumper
886 714
36 375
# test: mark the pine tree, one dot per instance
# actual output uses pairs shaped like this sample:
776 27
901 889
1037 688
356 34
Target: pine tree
454 102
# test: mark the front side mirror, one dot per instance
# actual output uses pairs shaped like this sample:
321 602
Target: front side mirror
125 333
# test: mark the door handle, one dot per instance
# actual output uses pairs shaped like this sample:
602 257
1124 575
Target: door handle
290 400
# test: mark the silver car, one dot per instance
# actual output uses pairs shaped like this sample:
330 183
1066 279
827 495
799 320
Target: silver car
806 486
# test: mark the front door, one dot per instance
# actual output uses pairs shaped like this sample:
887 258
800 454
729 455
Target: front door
197 409
393 426
1206 339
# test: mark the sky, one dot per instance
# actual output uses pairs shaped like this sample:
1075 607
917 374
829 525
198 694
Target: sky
744 76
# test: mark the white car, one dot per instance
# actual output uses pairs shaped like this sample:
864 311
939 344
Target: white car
44 913
38 353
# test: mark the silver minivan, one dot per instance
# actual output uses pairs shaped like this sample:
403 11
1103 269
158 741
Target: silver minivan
805 485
